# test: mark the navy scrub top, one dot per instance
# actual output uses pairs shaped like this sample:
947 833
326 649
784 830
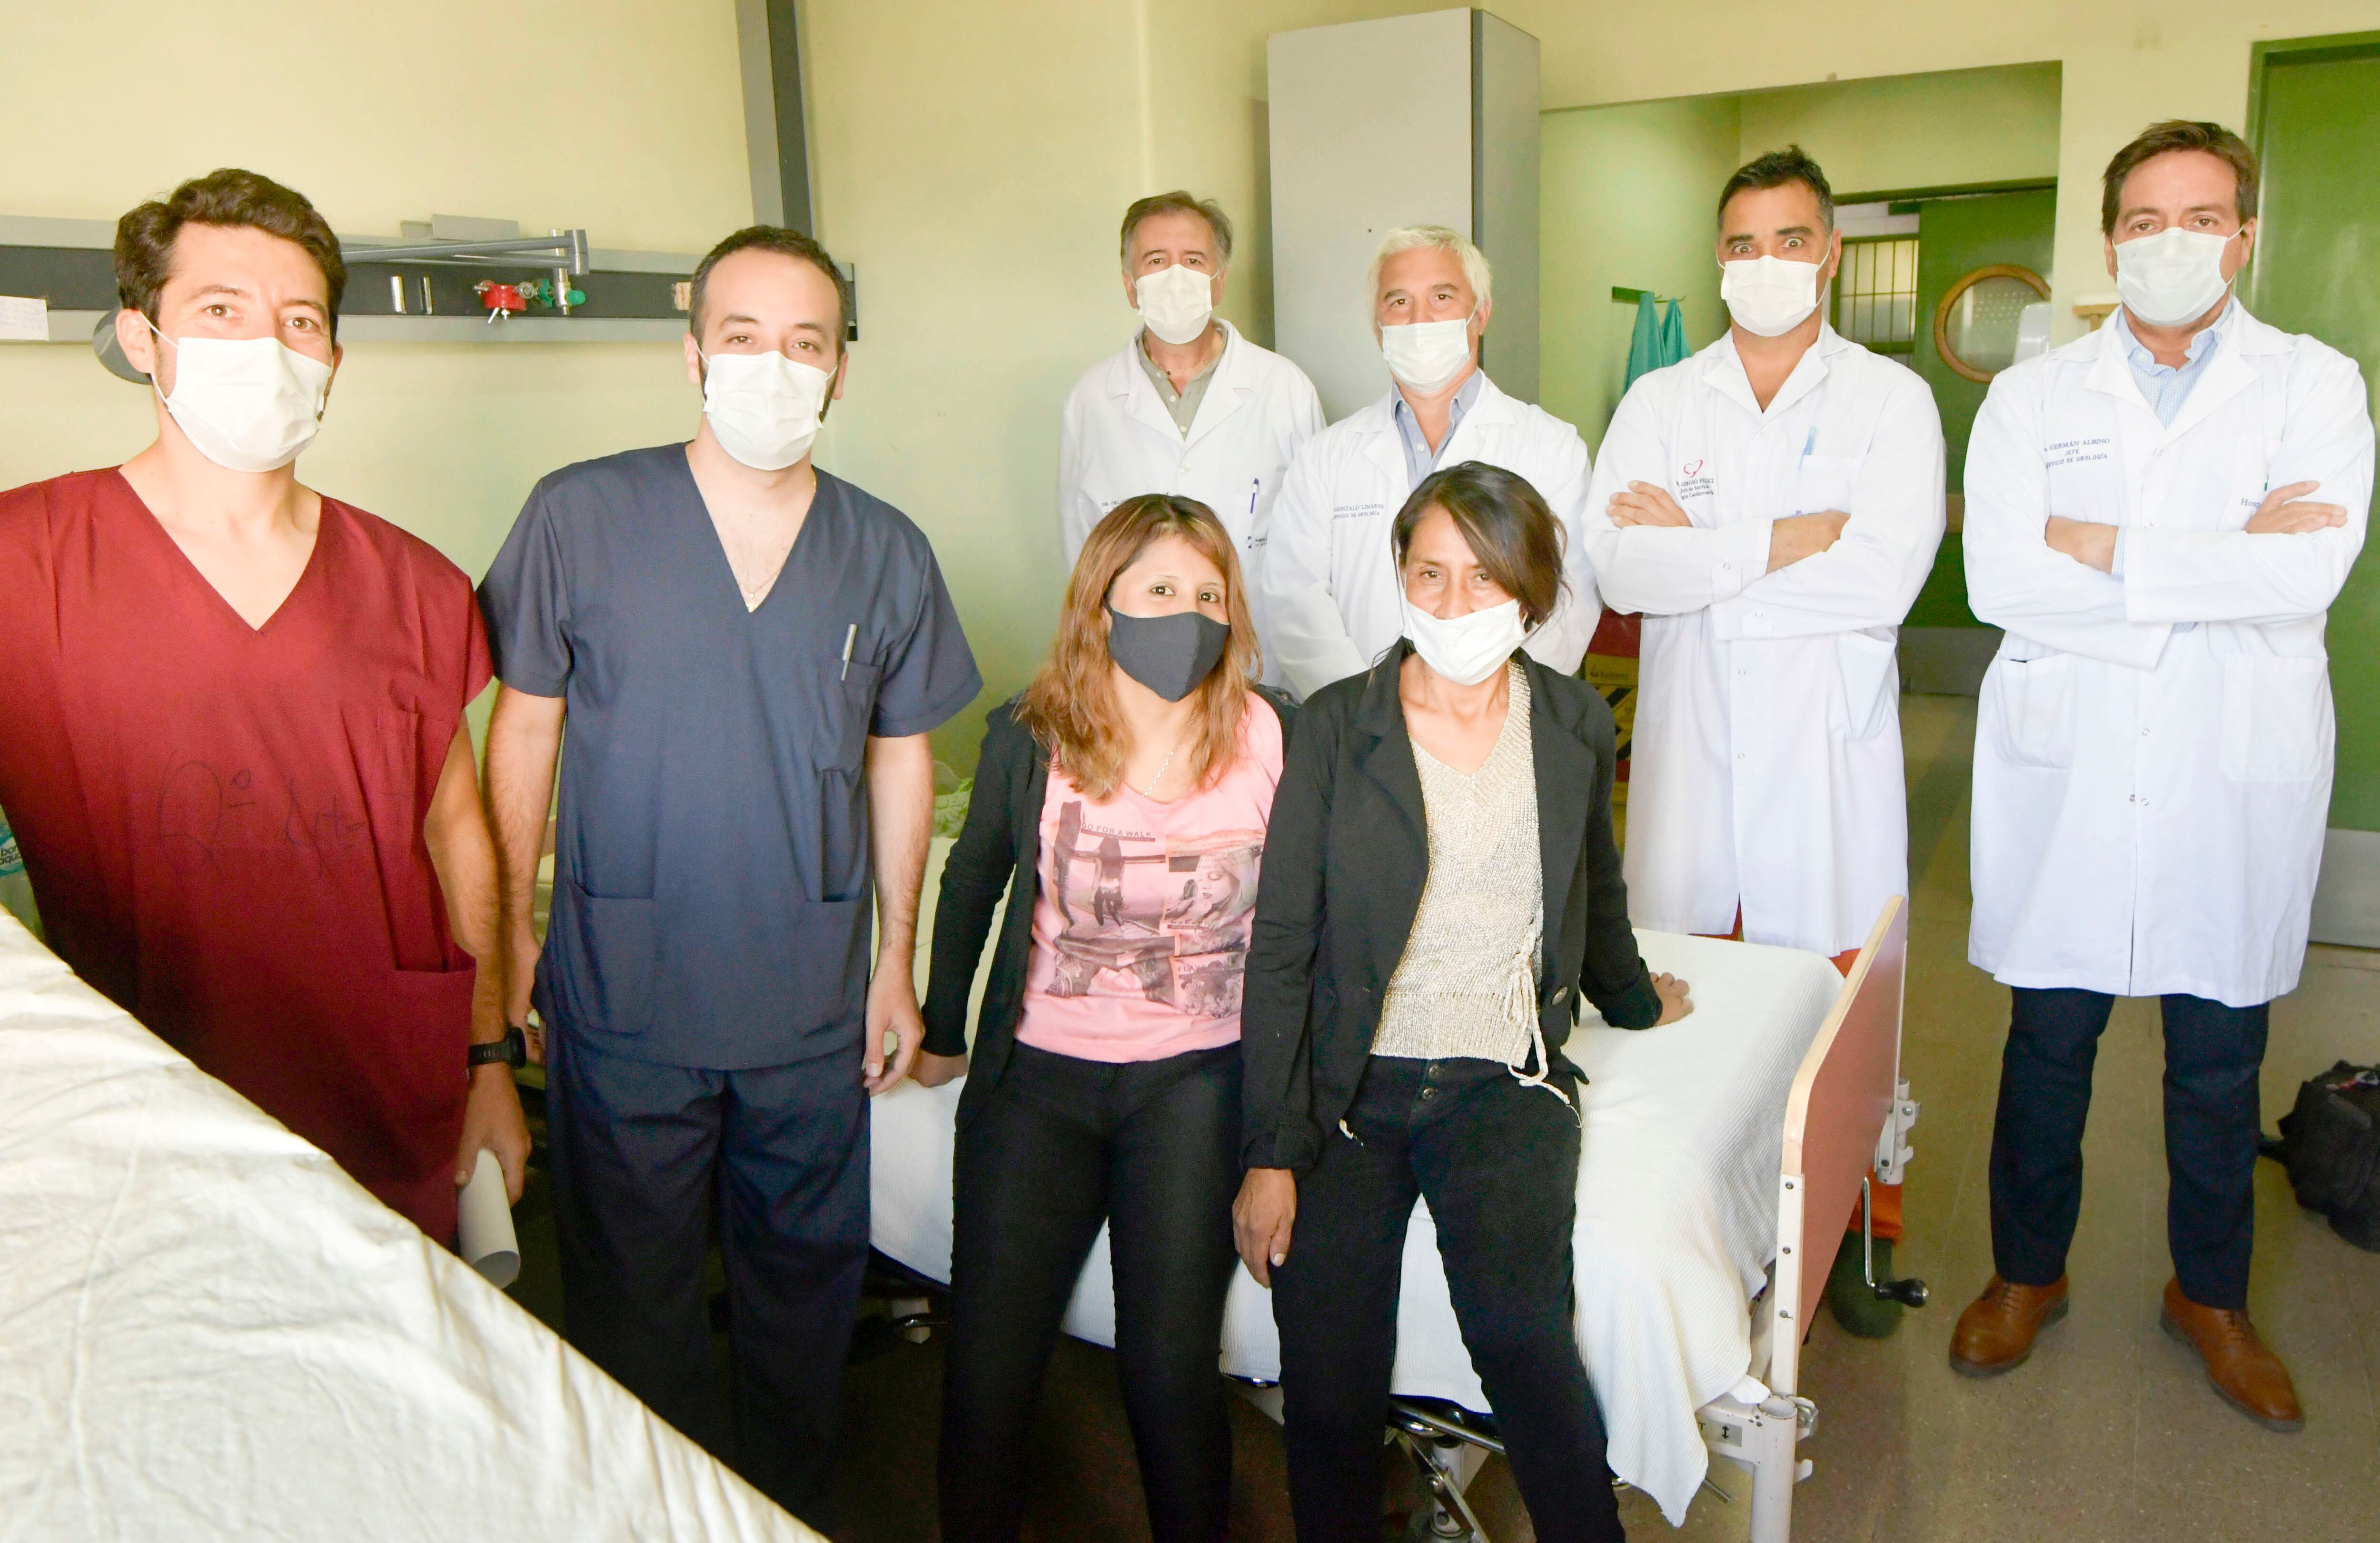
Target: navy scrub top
712 872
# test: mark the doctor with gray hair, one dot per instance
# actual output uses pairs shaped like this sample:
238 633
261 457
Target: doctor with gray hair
1329 585
1189 406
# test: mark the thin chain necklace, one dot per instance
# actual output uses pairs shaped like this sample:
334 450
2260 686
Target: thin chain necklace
1163 766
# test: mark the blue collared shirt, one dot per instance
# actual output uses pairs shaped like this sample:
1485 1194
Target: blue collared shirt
2165 387
1420 460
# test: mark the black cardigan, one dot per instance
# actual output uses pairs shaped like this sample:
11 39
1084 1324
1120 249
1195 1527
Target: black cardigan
999 850
1345 859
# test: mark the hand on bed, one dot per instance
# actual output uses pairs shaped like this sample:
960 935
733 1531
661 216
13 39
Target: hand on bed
1675 1002
1261 1218
932 1071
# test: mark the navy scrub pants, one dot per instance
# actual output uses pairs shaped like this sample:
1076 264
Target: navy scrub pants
1499 1164
643 1154
2212 1057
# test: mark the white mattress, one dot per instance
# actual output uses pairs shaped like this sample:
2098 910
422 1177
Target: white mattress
1677 1212
206 1330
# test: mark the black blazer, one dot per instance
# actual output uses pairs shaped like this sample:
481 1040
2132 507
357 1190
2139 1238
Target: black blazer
1344 862
999 850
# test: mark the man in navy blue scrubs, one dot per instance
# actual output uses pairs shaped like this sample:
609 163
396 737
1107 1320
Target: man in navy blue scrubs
749 653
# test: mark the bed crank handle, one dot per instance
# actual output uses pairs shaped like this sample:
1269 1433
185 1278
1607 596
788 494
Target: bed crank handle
1909 1291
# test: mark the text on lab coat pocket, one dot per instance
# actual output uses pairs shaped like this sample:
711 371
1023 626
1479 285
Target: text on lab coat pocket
2276 718
1864 661
2035 699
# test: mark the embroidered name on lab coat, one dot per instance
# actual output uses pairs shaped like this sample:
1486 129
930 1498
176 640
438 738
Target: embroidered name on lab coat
2074 452
1357 511
1694 481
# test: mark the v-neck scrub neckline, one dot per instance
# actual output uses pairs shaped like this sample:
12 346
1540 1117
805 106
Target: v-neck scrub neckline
326 522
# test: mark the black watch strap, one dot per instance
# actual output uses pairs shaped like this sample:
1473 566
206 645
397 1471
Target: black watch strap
512 1050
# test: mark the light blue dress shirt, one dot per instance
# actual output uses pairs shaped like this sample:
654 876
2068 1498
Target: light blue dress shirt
1420 460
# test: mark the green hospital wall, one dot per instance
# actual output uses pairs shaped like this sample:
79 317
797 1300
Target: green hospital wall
1625 200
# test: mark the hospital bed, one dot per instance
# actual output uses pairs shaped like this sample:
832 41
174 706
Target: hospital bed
1715 1148
206 1330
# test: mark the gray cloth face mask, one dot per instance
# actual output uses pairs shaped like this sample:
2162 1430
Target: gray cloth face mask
1169 654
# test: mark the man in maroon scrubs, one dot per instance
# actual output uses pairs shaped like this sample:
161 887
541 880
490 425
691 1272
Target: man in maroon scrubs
231 725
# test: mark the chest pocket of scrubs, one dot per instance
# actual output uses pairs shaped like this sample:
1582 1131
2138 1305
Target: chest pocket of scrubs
2035 698
835 866
2277 723
1824 484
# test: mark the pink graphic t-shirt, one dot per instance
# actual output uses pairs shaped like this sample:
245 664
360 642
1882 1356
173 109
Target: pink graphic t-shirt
1140 932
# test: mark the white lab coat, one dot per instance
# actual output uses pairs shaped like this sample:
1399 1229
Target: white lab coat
2153 753
1331 581
1766 768
1116 440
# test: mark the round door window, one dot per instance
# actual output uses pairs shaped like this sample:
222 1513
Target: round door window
1976 325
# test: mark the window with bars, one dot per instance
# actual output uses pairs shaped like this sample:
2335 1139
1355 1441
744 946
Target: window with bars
1876 293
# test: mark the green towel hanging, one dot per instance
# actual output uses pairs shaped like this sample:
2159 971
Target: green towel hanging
1645 347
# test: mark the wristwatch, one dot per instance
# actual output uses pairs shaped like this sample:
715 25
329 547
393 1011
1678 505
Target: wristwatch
512 1050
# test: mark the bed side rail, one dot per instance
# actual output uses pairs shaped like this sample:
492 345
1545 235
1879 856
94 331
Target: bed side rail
1842 1099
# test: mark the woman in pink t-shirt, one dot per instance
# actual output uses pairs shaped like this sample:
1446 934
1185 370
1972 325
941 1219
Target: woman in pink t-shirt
1121 805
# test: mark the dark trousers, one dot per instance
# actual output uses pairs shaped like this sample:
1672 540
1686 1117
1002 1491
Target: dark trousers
1062 1144
1499 1164
643 1154
2212 1056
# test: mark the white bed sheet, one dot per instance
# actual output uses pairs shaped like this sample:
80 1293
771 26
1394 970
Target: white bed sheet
1677 1216
206 1330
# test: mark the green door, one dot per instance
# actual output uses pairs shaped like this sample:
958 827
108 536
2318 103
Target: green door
2315 121
1955 237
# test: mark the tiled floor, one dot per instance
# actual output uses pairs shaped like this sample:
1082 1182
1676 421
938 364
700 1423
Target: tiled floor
2109 1433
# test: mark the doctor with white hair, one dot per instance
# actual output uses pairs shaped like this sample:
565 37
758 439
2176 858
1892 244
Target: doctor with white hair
1329 581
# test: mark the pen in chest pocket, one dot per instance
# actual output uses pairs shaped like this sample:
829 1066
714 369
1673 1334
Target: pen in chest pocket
850 635
1809 443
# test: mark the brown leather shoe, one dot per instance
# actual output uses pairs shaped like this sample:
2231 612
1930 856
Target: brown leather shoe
1995 1334
2238 1364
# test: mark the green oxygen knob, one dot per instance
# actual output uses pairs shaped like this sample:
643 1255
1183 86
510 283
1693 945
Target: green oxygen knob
579 297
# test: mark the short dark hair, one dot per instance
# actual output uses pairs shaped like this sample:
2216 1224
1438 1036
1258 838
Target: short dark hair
1179 202
784 243
232 199
2161 138
1506 524
1775 170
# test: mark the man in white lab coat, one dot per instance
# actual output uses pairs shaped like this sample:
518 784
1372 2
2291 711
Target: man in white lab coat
1330 583
1188 406
1772 505
2159 514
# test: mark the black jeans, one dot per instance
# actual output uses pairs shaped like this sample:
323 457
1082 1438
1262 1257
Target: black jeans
644 1155
2212 1056
1062 1144
1499 1164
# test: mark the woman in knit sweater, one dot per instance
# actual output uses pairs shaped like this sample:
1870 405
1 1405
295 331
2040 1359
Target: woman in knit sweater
1440 889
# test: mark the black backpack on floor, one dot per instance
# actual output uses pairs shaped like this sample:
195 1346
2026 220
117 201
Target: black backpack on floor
2330 1143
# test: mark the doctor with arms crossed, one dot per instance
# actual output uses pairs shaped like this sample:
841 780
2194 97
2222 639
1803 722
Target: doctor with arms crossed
1772 505
1331 588
1188 406
2159 514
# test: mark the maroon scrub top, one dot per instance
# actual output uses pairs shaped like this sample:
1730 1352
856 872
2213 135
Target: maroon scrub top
224 824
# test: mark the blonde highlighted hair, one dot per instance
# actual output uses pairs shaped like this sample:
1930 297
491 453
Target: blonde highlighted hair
1071 706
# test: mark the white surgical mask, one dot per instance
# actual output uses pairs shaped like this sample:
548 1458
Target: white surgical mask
249 403
1175 302
1466 649
1769 297
764 408
2171 277
1423 356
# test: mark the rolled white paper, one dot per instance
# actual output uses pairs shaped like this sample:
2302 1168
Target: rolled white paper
490 1244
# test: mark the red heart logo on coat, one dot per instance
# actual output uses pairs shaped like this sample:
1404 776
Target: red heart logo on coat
1690 469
